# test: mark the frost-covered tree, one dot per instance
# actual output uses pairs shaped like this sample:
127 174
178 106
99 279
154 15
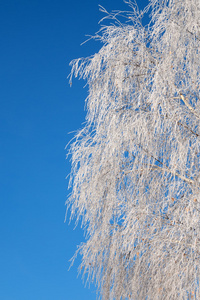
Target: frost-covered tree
135 177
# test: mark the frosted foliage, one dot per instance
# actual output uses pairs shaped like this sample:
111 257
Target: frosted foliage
135 182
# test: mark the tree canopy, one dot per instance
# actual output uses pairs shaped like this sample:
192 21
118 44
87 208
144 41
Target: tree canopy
135 181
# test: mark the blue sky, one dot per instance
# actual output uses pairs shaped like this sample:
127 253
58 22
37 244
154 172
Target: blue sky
38 109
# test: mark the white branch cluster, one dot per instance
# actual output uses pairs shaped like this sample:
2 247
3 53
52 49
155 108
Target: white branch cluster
135 165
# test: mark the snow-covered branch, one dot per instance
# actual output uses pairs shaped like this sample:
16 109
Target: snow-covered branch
135 173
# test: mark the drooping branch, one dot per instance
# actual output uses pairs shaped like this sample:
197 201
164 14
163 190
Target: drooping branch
136 162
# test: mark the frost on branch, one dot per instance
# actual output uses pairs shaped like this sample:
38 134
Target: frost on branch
135 165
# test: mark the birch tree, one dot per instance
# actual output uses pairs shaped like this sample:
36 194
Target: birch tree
135 181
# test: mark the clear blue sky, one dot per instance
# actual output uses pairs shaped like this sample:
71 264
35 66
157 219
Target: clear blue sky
38 109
